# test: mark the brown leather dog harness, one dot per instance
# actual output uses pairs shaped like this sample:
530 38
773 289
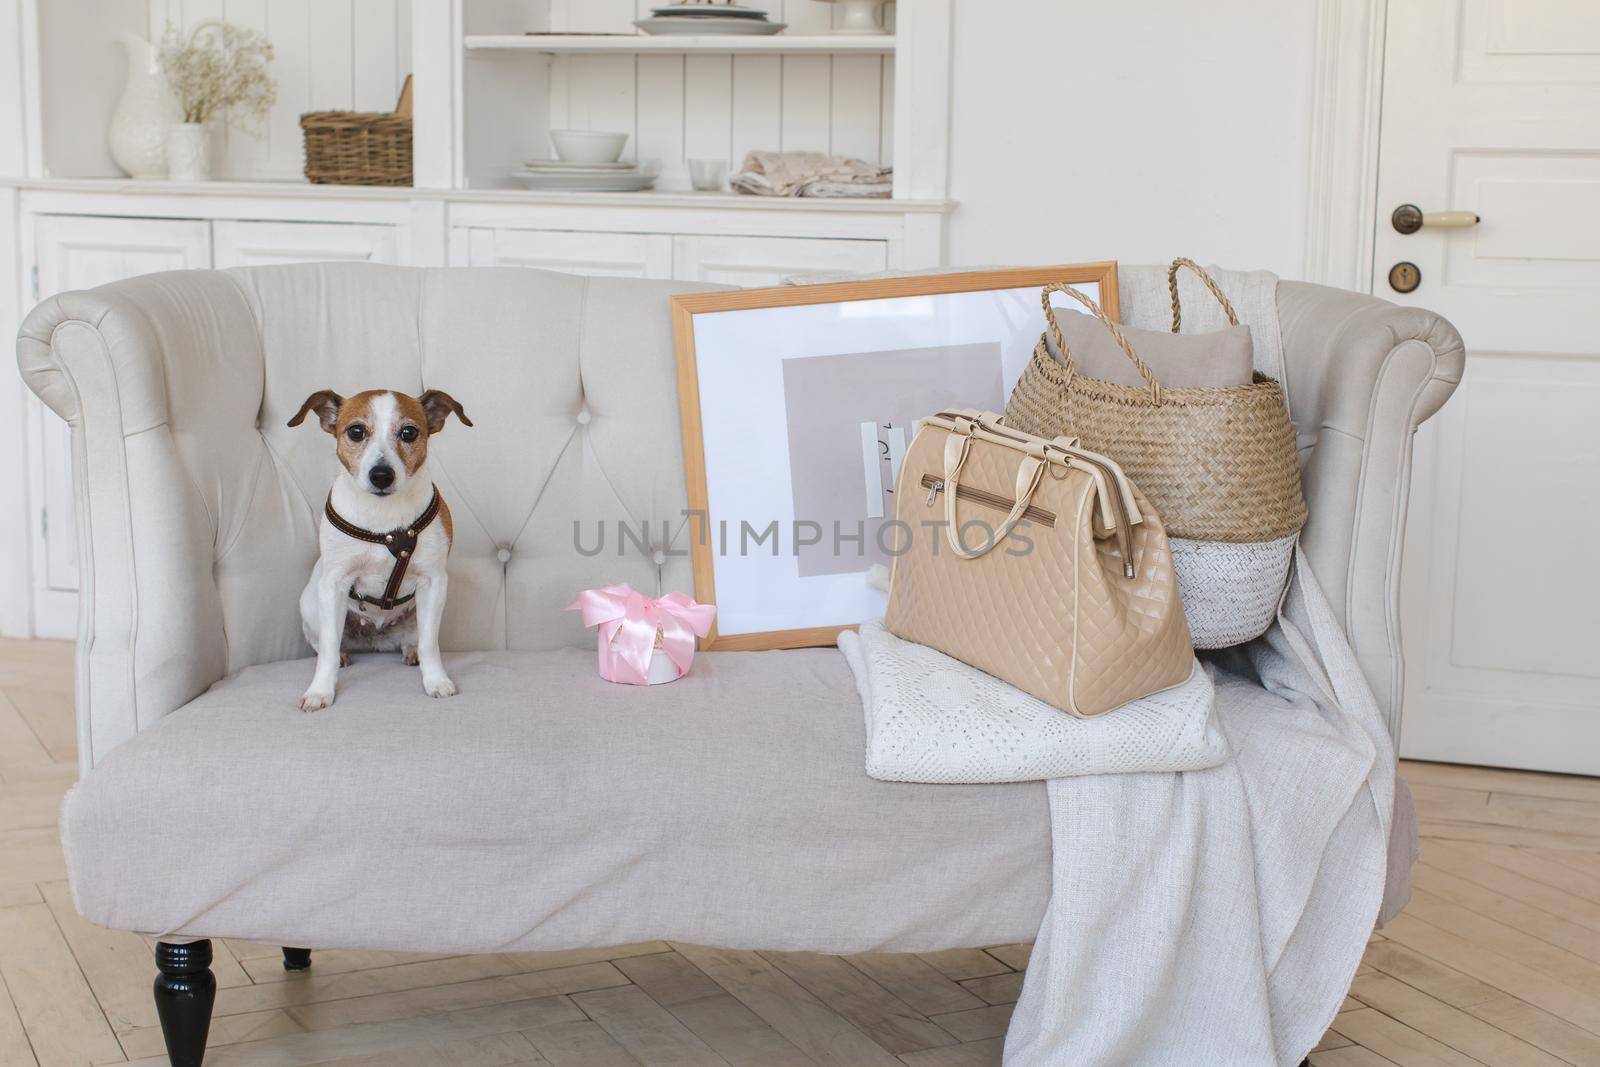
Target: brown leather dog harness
400 542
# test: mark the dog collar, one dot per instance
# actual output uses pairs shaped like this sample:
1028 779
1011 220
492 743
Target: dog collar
401 543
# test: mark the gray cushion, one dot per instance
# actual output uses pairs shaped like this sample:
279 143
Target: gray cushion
544 808
1178 360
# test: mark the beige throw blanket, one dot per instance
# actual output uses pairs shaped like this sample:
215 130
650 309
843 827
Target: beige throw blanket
1208 916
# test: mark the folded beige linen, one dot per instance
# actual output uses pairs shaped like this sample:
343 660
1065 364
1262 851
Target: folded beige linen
810 174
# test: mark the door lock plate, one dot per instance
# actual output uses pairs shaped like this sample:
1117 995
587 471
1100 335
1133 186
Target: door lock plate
1404 276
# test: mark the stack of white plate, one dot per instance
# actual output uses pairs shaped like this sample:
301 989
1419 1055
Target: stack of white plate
709 19
554 175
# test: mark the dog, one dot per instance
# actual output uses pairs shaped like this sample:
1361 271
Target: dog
379 583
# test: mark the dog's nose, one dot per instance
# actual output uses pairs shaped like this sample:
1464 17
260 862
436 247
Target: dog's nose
381 476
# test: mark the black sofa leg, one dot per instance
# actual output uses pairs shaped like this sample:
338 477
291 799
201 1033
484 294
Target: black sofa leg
296 959
185 992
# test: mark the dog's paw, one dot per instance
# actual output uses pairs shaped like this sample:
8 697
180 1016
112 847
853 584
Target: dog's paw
439 687
409 655
316 699
344 659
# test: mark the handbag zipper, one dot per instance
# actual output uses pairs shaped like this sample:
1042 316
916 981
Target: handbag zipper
1119 508
935 485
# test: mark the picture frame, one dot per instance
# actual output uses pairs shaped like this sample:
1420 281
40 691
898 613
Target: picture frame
795 404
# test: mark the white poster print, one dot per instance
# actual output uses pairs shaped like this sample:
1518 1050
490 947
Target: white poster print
883 445
784 396
842 412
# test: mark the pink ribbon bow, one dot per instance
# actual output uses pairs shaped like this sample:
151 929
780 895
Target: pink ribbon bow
628 621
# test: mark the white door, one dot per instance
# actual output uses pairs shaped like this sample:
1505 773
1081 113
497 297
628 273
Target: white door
74 252
1493 107
237 243
627 255
763 261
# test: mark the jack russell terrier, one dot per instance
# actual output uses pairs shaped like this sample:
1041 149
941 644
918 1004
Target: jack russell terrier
379 583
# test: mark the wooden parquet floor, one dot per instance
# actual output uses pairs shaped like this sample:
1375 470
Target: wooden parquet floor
1496 961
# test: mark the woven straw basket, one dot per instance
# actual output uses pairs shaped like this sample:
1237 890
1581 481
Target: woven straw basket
1218 464
360 147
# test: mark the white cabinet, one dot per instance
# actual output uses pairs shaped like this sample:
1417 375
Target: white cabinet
758 261
726 260
245 243
629 255
81 252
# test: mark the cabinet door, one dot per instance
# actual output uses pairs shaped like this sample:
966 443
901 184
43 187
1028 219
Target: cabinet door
258 244
628 255
80 252
759 261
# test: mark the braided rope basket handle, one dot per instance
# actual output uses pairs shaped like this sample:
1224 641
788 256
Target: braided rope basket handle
1210 283
1116 335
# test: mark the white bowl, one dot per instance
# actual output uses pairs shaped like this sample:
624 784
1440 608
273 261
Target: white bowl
588 146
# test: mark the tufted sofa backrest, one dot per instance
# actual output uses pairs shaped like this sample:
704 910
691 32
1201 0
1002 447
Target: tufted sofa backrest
570 385
569 382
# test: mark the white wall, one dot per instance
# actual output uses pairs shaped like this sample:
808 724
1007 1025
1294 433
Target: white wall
82 74
1135 132
13 80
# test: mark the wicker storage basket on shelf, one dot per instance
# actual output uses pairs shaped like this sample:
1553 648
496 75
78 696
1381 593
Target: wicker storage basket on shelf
360 147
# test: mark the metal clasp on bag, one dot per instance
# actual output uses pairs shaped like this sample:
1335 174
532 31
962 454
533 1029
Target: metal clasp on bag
1066 461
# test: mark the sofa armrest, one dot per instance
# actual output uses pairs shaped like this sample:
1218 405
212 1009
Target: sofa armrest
150 633
1362 374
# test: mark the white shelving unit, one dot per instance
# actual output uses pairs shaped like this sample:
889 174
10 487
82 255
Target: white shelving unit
492 77
639 44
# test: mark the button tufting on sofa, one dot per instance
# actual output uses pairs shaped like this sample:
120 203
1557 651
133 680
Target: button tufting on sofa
584 416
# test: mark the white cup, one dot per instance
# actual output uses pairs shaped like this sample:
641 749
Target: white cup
707 175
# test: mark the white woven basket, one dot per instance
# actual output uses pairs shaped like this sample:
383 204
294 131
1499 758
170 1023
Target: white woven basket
1230 591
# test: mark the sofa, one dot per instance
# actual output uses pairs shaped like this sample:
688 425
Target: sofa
541 808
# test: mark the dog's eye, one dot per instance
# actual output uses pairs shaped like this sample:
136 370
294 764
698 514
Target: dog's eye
408 434
357 432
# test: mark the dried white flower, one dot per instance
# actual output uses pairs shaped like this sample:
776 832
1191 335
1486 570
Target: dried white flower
220 69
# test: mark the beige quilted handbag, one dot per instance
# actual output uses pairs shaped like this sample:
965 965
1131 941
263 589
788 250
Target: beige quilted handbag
1037 562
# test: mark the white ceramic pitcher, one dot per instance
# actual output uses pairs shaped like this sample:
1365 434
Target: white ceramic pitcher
138 133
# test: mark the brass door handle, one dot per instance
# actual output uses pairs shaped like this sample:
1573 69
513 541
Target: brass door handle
1409 218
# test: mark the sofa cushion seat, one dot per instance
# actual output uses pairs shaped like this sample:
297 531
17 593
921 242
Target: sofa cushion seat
544 808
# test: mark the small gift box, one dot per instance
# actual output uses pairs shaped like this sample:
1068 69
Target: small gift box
643 641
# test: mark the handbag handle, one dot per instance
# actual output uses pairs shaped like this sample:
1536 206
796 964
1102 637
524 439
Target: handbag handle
1029 473
1116 335
1210 283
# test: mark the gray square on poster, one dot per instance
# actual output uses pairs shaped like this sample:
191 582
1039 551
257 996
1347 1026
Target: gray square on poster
826 401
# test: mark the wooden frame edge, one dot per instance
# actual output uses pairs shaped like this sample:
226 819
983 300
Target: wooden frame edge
686 306
1104 273
694 460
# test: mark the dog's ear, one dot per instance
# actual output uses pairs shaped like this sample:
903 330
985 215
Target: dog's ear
437 405
325 402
